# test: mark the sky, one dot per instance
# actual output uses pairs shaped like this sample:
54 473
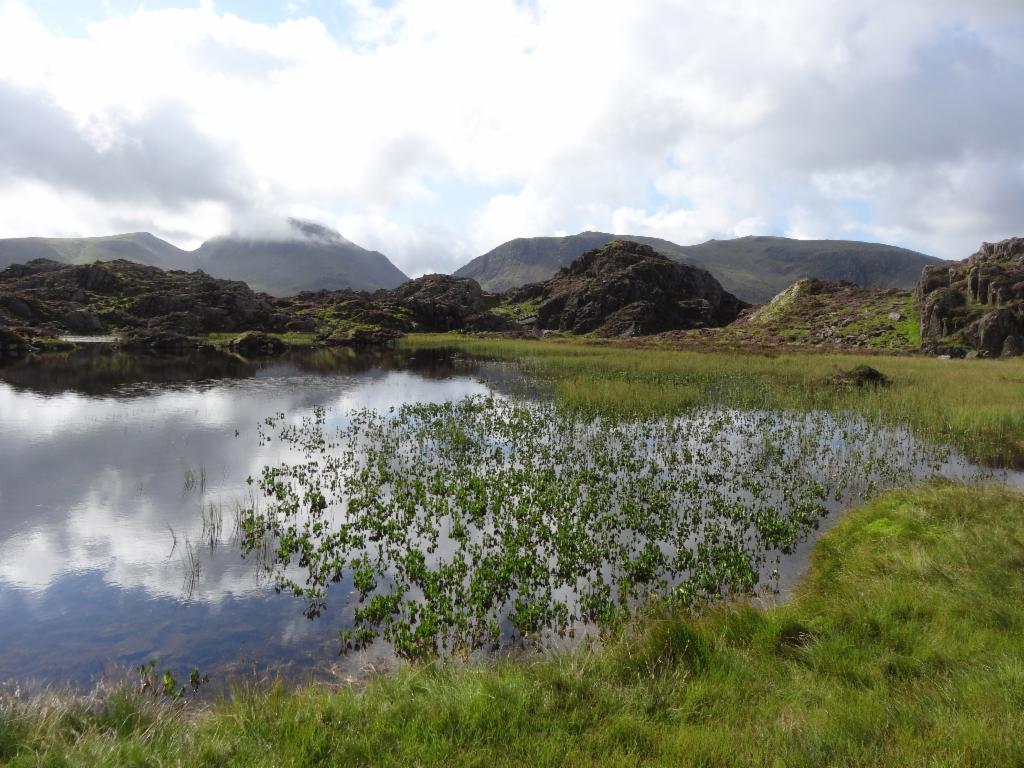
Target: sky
434 130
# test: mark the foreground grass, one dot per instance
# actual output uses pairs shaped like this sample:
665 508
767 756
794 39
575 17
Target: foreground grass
903 647
975 405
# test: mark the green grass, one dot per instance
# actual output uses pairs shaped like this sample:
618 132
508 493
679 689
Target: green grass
292 339
53 344
974 405
904 646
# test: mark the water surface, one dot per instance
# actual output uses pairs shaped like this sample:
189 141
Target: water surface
119 473
106 463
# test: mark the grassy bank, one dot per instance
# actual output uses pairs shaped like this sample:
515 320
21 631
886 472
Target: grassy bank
291 339
975 405
904 646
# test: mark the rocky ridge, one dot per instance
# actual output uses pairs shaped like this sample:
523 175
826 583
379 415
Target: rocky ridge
47 298
431 303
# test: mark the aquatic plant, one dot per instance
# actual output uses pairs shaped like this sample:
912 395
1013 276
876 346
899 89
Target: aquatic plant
192 565
212 516
973 405
460 525
166 684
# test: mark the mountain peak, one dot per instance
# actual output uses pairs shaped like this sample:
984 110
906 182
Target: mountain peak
310 230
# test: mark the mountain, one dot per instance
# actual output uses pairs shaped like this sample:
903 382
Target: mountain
310 258
140 247
753 268
306 257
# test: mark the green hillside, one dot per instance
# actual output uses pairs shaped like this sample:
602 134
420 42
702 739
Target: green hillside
140 247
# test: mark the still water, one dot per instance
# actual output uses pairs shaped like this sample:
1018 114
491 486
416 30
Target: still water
119 480
106 463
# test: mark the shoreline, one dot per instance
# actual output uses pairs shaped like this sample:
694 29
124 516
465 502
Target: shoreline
894 542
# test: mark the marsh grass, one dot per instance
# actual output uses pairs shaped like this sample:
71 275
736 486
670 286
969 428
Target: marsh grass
903 647
977 406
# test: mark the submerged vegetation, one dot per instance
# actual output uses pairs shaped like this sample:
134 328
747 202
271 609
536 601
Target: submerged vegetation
450 521
904 646
972 405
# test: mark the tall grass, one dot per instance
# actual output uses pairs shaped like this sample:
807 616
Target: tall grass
904 646
975 405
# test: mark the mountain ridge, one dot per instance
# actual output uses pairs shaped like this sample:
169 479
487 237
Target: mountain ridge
755 268
309 256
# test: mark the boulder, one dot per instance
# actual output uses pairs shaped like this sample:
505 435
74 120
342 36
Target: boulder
82 321
257 344
861 376
361 336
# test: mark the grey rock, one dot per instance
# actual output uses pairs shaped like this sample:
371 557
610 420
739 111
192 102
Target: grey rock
82 321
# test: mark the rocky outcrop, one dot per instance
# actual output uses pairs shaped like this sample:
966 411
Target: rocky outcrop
975 306
443 303
12 344
257 344
627 289
129 298
432 304
833 315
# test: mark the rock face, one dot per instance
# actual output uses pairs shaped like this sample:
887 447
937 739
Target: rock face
122 296
627 289
976 305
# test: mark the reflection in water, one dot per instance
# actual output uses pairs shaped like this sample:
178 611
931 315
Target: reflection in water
119 472
109 464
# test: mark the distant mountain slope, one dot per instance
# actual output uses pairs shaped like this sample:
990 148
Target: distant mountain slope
309 257
752 268
529 259
140 247
313 258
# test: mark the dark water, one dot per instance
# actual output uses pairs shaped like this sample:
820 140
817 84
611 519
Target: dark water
118 473
107 465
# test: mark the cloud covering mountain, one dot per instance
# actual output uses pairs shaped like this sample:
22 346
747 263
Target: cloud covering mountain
433 131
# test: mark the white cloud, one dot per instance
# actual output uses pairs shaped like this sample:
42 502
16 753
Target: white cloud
685 120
